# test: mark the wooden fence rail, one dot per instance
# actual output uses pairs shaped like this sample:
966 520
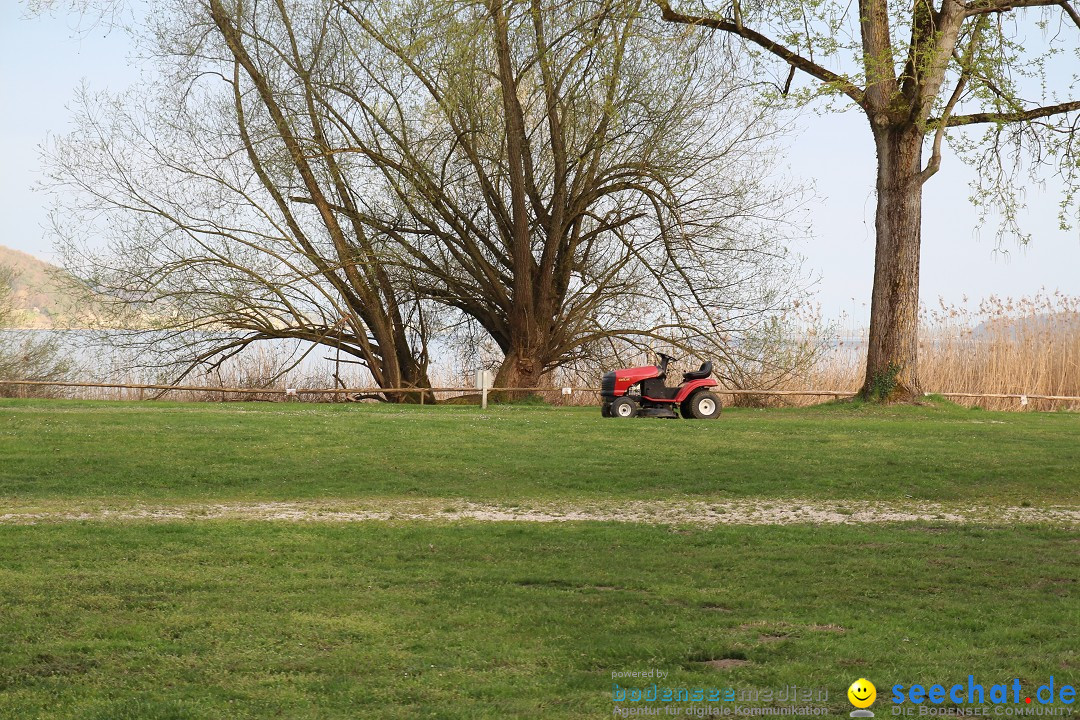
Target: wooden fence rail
425 391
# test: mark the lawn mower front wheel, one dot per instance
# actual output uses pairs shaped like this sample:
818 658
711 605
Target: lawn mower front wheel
624 407
605 409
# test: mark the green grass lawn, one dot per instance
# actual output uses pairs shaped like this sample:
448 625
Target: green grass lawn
261 619
370 620
187 452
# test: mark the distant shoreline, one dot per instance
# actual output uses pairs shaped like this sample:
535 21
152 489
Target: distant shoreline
53 328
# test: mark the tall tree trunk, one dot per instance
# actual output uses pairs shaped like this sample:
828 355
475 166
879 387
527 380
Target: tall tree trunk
406 372
413 374
400 369
891 360
521 368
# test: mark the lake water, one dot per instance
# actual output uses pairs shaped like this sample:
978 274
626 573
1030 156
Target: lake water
97 360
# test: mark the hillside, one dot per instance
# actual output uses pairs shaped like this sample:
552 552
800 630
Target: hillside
40 299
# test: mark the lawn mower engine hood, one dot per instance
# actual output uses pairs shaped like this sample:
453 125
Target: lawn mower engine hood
617 382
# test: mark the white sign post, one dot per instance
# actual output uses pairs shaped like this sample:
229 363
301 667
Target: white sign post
484 380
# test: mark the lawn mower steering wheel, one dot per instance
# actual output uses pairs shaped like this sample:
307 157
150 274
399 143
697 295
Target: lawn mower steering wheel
665 359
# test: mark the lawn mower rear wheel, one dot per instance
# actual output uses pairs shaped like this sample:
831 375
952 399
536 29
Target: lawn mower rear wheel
703 405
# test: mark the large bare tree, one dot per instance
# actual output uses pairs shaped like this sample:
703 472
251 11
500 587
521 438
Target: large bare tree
194 177
566 172
918 70
337 170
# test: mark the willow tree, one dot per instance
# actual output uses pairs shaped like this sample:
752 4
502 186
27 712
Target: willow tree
919 70
191 180
559 174
565 172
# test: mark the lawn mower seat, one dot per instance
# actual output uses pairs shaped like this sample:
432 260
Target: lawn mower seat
700 374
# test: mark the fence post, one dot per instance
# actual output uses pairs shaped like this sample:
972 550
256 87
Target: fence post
484 380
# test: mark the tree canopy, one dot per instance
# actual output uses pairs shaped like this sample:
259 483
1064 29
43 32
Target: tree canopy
367 176
919 70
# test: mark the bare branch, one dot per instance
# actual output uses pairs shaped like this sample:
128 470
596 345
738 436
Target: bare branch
789 56
1010 117
979 7
958 91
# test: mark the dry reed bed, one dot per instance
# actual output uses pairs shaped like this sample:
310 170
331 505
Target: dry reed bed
1001 346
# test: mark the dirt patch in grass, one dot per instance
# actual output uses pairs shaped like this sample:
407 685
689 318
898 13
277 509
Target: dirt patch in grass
828 628
779 629
726 663
772 637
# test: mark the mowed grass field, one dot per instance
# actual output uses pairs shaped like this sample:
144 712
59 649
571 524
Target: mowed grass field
465 619
179 452
254 620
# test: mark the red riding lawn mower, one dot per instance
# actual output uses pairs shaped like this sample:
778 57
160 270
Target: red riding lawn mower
641 391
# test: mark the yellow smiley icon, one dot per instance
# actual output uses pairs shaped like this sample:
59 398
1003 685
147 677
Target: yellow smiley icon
862 693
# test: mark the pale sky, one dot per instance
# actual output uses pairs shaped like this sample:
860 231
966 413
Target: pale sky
43 61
